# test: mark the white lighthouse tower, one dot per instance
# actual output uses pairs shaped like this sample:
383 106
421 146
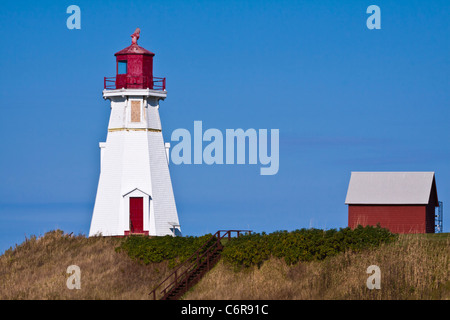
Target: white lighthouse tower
134 194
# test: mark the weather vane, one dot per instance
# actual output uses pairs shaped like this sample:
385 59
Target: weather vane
135 36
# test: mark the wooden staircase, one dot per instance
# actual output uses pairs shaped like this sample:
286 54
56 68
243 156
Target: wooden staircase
189 273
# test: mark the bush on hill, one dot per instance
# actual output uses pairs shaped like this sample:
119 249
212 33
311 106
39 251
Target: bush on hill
158 249
302 245
254 249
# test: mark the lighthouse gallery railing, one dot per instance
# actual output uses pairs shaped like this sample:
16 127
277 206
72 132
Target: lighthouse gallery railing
134 82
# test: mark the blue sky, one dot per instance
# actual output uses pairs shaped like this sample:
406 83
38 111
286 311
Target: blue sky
345 98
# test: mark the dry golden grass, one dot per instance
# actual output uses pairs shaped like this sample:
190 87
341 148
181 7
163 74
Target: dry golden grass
415 267
37 270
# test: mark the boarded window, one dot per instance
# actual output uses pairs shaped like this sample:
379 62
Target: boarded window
135 111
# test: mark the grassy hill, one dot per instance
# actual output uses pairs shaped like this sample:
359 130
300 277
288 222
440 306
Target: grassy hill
412 267
36 269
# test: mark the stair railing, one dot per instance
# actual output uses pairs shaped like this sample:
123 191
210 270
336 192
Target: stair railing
182 272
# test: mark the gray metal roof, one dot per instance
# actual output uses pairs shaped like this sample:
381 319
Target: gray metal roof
390 188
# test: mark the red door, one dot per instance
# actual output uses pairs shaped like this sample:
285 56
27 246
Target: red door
136 214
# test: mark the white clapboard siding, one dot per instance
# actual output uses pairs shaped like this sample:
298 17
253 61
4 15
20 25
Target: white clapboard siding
134 163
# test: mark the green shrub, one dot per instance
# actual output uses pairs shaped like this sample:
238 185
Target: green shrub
254 249
158 249
302 245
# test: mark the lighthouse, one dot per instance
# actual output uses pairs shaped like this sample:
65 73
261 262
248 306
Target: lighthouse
134 194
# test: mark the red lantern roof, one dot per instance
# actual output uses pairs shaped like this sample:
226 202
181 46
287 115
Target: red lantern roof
134 49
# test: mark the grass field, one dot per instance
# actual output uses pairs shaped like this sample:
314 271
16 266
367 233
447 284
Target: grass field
36 269
413 267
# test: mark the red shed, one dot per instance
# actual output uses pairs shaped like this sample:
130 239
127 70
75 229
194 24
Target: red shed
403 202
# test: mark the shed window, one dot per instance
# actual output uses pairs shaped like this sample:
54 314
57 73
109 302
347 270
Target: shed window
122 67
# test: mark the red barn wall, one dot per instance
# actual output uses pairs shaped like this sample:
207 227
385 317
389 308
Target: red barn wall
396 218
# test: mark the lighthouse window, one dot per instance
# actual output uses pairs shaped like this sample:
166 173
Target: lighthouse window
122 67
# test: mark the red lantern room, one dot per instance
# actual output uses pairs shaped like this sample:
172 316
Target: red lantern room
134 69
